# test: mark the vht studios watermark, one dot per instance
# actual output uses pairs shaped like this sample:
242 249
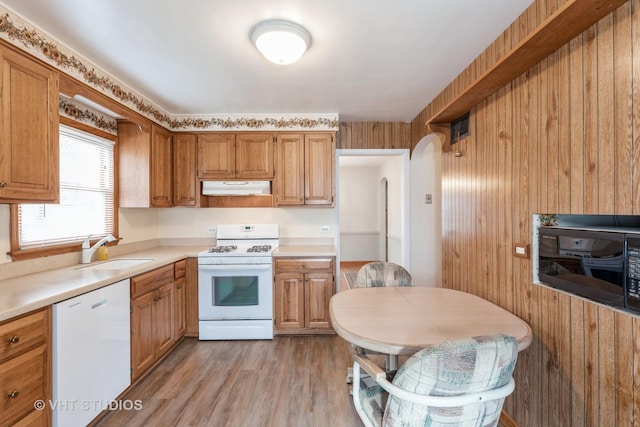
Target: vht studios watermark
88 405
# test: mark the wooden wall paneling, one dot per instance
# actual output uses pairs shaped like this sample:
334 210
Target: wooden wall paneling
563 361
563 340
493 191
481 152
576 125
623 109
635 126
553 152
590 55
592 395
606 367
624 370
564 134
605 114
578 366
543 147
532 311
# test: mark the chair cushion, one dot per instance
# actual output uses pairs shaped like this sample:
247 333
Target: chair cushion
382 274
450 369
373 399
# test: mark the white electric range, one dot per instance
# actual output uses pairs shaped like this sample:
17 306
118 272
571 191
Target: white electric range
235 283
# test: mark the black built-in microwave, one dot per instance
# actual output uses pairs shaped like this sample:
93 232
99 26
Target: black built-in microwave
603 266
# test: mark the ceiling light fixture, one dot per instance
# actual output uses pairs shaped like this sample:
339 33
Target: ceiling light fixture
281 42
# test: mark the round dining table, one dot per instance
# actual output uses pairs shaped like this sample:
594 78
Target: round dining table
403 320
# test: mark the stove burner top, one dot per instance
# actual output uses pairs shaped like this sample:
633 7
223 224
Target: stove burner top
259 248
222 249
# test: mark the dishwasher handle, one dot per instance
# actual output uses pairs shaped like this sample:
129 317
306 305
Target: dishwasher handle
99 304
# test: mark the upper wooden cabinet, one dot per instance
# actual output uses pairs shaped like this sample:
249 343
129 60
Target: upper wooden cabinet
29 149
184 170
223 155
145 166
305 167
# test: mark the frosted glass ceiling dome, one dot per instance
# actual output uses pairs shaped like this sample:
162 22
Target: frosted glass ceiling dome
281 42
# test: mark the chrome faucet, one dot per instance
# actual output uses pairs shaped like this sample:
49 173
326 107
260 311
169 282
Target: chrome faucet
87 250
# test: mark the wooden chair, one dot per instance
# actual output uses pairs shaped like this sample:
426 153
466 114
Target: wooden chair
457 383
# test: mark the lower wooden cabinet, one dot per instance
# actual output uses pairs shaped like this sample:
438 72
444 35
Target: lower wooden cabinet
25 369
157 316
302 290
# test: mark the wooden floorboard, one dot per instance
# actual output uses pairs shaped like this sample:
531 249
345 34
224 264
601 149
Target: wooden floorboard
287 381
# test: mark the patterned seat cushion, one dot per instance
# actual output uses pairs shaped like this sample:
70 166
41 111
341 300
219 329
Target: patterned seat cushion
454 368
382 274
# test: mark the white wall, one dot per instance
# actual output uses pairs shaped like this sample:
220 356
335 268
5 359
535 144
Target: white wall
392 169
302 222
359 219
426 220
356 216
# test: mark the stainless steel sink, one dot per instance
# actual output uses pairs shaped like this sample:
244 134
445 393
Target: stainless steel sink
117 264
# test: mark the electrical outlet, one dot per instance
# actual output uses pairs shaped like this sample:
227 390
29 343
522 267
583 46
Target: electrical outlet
211 230
427 199
325 229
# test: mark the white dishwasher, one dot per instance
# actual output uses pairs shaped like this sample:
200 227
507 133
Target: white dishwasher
91 353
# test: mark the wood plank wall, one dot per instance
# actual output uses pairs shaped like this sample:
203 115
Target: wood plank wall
565 138
374 135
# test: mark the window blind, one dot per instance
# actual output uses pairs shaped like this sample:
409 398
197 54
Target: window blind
86 194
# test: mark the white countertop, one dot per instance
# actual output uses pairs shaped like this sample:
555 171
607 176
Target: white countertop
22 294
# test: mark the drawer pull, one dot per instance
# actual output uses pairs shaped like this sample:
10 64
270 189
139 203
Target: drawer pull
14 339
304 264
13 394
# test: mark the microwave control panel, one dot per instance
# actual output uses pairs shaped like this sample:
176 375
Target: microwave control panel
633 270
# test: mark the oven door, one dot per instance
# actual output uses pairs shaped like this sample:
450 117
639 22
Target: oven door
231 292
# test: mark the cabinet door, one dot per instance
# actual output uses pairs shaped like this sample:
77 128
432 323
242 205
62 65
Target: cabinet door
318 292
216 155
165 318
142 334
161 162
180 321
319 159
254 155
289 300
184 170
29 147
289 177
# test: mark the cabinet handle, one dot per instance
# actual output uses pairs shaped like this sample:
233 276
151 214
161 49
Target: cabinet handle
179 286
14 339
304 265
13 394
3 184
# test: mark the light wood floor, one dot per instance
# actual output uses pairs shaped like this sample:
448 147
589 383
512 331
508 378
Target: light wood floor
289 381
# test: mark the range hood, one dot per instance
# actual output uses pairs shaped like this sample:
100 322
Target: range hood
235 188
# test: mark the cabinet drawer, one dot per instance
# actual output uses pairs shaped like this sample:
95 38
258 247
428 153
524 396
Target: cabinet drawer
20 334
152 280
23 383
34 419
303 264
180 268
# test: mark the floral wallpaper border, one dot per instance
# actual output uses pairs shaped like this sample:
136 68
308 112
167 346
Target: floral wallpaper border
25 36
81 113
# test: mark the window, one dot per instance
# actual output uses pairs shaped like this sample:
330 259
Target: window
86 195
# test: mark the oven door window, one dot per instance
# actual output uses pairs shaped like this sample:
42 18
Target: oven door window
235 291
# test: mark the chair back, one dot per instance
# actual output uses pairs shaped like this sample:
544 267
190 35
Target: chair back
382 274
454 368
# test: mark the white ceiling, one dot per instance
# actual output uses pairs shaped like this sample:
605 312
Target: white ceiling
370 60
